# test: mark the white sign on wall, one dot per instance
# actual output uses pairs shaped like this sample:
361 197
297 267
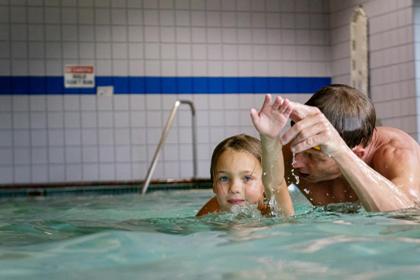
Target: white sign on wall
79 76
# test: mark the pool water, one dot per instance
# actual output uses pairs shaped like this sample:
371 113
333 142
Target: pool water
157 237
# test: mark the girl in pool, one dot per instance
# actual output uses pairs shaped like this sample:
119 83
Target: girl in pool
245 171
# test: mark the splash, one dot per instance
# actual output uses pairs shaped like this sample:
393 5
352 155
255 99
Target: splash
245 211
293 158
273 206
275 210
297 179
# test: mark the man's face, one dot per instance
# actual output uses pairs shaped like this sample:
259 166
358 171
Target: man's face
313 166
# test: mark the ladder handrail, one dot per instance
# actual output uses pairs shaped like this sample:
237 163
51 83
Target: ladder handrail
163 137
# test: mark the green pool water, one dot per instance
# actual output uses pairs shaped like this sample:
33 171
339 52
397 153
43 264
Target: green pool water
157 237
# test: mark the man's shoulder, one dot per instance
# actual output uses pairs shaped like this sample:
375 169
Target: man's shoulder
396 147
389 131
391 138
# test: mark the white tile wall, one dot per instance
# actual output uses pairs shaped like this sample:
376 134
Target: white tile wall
392 63
53 138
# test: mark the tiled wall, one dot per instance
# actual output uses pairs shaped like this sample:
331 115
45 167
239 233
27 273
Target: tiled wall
392 60
416 20
59 137
65 136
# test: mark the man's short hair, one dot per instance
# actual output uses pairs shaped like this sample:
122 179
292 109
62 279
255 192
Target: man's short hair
350 111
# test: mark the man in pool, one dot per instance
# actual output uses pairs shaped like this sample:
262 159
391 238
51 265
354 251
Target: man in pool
334 153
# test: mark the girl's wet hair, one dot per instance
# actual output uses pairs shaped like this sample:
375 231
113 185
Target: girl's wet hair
349 111
240 142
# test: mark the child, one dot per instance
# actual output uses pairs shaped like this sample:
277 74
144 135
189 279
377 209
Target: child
237 164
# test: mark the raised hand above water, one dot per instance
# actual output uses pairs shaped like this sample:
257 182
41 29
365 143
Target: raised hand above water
272 117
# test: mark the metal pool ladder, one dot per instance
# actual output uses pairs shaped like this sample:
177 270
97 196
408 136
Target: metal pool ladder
163 137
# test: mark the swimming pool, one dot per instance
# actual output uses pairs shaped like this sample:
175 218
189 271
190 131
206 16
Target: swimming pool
156 236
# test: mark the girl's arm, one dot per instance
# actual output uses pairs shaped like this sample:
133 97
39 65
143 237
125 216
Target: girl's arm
273 174
270 121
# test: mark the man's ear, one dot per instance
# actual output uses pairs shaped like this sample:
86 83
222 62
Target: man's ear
359 151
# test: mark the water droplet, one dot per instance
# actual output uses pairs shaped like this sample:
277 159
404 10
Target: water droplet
294 175
293 158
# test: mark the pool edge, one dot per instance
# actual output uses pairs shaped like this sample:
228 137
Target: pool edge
99 187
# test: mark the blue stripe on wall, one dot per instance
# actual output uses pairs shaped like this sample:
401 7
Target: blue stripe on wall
23 85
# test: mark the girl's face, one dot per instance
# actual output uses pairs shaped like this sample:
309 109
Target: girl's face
237 179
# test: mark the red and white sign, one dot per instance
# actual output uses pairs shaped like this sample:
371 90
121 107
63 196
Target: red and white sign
79 76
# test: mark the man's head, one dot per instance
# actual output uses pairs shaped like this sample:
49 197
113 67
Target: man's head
349 111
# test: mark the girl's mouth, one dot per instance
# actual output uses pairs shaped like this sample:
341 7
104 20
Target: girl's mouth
236 201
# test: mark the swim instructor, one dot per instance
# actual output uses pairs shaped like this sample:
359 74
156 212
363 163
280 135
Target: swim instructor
334 153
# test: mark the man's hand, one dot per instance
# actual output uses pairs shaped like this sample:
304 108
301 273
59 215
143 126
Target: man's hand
271 118
312 129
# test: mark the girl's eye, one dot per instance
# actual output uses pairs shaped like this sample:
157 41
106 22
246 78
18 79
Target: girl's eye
223 179
248 178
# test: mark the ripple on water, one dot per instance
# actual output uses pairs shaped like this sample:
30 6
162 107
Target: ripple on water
159 237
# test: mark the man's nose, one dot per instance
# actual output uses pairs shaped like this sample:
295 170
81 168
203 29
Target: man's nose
299 160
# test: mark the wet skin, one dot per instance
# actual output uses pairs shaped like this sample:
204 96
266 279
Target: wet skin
319 177
391 153
237 179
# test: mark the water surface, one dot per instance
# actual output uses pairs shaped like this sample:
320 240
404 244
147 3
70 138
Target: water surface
158 237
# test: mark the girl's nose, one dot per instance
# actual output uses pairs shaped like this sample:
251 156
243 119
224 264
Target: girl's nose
235 187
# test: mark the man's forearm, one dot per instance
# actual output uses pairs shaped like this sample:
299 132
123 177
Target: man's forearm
375 192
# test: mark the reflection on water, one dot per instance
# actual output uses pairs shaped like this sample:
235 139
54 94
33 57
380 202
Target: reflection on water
159 237
344 208
58 221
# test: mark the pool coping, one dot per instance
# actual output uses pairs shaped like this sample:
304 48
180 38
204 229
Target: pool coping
99 187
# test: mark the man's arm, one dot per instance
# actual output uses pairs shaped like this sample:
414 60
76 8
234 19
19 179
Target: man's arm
312 128
376 192
269 122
